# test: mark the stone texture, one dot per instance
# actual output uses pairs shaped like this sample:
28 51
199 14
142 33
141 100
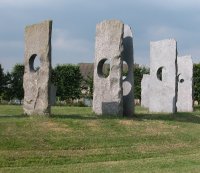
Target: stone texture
162 95
37 81
108 94
185 84
145 90
127 54
53 94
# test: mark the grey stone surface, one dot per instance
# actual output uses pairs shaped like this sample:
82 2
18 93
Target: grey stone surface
113 94
53 94
163 86
108 93
127 54
37 81
145 90
185 84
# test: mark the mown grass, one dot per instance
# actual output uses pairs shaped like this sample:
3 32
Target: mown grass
73 139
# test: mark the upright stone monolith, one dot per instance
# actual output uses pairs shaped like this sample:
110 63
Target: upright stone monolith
163 72
145 90
113 94
37 80
185 84
107 97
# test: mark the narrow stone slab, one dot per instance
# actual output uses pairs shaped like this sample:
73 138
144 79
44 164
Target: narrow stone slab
163 71
37 81
185 84
108 94
145 90
127 54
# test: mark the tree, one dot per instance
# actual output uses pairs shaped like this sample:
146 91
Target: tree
68 79
7 93
138 74
17 81
196 81
1 80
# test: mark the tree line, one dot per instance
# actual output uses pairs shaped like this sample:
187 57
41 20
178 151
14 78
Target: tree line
71 84
67 78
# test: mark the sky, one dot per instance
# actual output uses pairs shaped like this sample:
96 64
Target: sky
74 25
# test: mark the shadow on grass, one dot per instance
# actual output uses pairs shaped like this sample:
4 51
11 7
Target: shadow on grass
91 116
178 117
13 116
75 116
193 117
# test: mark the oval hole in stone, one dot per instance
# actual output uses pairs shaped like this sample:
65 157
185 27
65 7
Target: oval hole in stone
160 73
103 68
34 63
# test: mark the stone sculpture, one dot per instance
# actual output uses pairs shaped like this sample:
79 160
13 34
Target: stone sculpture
36 82
163 72
169 87
113 44
185 84
145 90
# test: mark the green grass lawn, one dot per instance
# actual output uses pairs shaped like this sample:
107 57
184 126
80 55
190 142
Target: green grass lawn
73 139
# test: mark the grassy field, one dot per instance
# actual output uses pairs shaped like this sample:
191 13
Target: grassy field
75 140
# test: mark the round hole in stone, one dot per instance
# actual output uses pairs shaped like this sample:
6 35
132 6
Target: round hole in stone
34 63
124 70
160 73
103 68
126 87
181 80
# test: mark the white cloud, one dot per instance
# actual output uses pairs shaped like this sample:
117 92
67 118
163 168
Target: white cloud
151 20
63 41
10 44
8 62
164 32
11 53
193 51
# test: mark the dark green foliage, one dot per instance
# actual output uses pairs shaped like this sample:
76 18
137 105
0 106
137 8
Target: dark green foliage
1 80
17 81
138 74
196 81
68 79
7 93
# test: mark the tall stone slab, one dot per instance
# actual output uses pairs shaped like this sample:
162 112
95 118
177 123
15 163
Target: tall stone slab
163 72
145 90
36 82
108 93
185 84
127 54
